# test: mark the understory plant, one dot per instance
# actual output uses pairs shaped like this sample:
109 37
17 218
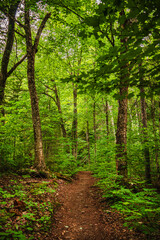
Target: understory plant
27 206
138 204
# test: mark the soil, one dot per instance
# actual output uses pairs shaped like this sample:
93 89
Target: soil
84 216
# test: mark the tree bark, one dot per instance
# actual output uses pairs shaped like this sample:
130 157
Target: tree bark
31 50
121 134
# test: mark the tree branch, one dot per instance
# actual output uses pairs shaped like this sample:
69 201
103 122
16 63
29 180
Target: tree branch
71 10
19 33
50 97
49 87
36 41
20 24
16 65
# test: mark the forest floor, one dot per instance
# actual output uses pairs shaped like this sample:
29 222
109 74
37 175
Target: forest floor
56 209
83 214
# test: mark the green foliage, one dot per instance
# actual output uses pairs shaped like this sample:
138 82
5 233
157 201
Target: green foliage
103 166
66 165
10 234
16 135
34 213
140 209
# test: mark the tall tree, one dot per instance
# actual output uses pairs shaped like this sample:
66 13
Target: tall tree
31 51
110 23
9 11
121 134
4 72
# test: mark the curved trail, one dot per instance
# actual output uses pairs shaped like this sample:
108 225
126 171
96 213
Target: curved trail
81 216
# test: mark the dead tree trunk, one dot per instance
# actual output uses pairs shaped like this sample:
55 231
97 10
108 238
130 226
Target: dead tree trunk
31 50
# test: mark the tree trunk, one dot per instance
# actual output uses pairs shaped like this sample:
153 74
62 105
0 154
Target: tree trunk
94 129
88 142
159 121
39 157
8 49
59 110
145 137
4 73
107 117
58 104
138 116
121 134
74 123
31 50
155 139
113 125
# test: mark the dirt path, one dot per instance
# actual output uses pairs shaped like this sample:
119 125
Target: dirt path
82 217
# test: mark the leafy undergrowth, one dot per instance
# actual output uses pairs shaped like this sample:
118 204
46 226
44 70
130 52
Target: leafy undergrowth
27 206
139 205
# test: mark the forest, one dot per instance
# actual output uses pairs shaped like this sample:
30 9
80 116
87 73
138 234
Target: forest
79 91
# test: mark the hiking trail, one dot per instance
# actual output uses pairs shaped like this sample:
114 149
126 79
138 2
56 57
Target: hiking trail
82 216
